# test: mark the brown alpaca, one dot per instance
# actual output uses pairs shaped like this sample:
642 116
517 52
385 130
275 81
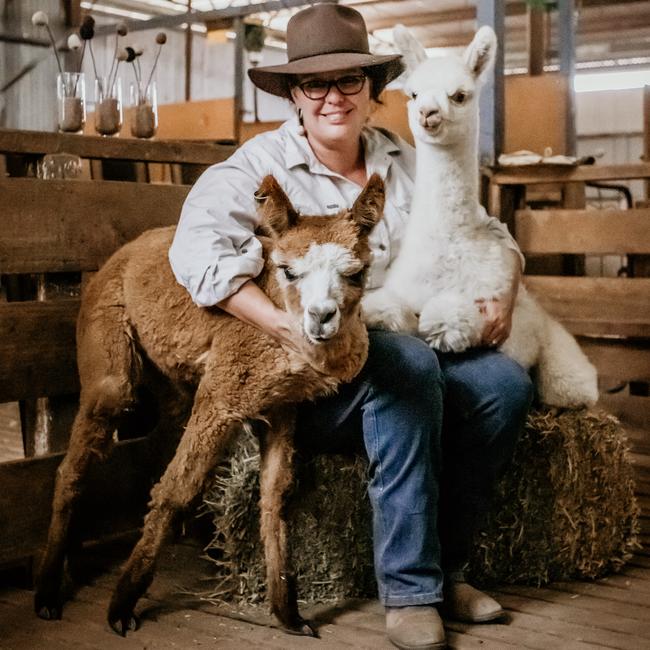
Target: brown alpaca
134 317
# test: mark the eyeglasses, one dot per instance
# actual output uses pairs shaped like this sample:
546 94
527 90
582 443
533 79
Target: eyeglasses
319 88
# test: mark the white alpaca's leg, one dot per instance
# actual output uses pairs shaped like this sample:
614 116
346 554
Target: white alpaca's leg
450 323
527 333
565 376
384 310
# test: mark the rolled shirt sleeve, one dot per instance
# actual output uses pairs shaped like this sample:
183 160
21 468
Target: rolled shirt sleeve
215 250
500 230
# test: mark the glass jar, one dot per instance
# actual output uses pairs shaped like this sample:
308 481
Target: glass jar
108 106
144 110
71 101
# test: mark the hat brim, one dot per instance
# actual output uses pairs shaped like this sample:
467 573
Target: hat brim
273 79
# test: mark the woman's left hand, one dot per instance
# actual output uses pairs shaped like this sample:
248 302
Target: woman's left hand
497 313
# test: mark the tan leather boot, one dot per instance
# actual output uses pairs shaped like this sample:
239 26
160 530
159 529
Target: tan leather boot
416 627
462 602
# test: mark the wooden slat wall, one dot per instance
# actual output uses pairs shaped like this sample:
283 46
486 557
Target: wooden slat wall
38 349
597 232
113 501
50 226
596 306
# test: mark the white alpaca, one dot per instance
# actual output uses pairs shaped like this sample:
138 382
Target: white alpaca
450 255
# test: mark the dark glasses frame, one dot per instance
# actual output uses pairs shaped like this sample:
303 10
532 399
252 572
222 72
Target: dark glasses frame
319 94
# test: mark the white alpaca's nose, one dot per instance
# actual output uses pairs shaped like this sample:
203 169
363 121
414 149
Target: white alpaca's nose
430 117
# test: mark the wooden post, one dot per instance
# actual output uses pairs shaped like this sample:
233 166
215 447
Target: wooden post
536 33
567 39
188 55
239 78
646 134
492 13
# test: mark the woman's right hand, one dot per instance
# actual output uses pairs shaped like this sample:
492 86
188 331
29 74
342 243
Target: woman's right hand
251 305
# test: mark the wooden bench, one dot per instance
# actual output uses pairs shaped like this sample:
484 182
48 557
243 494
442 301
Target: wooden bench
53 227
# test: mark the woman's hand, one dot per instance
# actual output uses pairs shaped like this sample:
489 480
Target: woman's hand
251 305
497 313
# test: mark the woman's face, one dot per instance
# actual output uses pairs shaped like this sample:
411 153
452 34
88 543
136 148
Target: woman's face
337 117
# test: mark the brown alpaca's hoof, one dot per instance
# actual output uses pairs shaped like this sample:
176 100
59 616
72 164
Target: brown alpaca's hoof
123 624
300 628
49 607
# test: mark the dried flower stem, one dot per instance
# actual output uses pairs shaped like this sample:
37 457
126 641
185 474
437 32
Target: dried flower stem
92 56
56 54
153 69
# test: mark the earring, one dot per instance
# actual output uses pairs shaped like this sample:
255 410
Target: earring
301 125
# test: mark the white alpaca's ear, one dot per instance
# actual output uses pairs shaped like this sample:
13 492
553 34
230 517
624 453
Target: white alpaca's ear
481 52
409 47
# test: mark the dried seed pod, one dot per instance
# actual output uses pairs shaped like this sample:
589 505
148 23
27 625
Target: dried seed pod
40 19
74 42
130 54
122 29
138 50
161 38
122 55
87 29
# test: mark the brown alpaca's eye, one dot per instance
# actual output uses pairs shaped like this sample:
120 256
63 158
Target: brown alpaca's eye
356 278
414 95
459 97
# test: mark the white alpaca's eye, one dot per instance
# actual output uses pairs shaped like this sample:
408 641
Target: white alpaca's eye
414 95
459 97
288 274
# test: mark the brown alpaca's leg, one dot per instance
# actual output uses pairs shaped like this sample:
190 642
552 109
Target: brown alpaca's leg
276 480
109 371
91 439
203 444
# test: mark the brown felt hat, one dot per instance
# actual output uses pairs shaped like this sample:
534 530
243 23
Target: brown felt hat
322 38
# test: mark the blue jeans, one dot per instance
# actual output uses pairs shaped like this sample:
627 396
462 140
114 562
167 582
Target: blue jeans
430 477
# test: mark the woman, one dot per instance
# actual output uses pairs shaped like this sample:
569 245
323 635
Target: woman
322 159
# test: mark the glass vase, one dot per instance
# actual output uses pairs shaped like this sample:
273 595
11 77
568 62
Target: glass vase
144 110
71 101
108 106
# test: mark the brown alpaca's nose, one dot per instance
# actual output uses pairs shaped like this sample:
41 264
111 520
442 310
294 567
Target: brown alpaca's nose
430 117
322 314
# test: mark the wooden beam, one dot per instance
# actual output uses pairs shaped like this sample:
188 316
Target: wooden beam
646 134
100 216
97 147
238 90
567 37
591 232
114 500
491 103
34 365
535 174
596 306
536 40
204 16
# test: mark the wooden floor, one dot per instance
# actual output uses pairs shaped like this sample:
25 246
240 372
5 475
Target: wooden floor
610 613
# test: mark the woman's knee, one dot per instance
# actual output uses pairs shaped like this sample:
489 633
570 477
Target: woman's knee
403 361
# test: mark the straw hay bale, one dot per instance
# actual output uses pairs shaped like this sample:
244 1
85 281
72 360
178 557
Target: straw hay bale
565 509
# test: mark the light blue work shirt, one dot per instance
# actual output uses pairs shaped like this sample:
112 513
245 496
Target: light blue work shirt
215 250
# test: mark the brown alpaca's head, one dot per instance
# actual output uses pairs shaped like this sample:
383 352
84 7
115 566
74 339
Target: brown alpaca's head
320 262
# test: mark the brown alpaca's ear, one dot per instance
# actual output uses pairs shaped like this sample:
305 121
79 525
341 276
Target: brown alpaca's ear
369 206
275 208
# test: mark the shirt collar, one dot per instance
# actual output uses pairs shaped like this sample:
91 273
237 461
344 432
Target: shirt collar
379 149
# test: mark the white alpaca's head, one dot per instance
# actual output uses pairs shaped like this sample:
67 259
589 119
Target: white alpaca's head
443 108
321 261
